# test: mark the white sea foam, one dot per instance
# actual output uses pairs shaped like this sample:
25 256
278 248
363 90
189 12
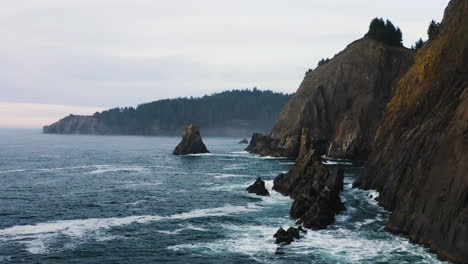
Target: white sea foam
240 152
249 240
201 154
179 230
52 169
37 237
227 175
108 168
334 162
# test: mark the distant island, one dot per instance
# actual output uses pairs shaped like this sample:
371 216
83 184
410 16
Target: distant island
228 113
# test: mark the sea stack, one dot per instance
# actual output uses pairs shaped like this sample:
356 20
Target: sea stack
258 187
191 143
316 191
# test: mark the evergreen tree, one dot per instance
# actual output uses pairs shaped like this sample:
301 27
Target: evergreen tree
433 29
418 44
385 31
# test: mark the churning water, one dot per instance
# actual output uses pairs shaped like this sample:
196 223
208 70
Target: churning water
126 199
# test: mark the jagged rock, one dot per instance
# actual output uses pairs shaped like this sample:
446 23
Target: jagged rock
191 142
315 191
258 187
287 236
419 163
340 102
244 141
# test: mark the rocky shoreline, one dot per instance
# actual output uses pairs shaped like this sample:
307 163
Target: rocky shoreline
406 115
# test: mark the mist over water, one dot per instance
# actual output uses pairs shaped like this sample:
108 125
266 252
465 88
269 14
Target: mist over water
126 199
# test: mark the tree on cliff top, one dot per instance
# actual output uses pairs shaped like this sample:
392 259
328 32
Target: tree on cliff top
433 29
385 32
418 44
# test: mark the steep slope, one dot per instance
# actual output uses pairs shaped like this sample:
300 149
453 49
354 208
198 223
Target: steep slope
420 162
340 102
229 113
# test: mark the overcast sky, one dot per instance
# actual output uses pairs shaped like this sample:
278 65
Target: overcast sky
80 56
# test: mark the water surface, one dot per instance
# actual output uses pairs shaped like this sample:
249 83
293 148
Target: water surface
126 199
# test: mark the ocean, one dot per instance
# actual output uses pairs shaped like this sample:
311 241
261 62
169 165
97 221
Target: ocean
126 199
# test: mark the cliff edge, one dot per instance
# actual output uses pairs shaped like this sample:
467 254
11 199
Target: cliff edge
339 102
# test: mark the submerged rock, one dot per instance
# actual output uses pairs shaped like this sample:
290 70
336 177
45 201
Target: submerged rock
191 143
258 187
244 141
315 191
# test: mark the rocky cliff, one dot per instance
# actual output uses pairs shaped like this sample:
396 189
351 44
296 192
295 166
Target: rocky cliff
340 102
420 159
316 191
73 124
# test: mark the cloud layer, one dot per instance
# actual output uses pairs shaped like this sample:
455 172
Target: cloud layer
118 52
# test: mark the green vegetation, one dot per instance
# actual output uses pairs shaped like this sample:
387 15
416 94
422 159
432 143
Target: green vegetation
385 31
323 61
418 44
256 107
433 30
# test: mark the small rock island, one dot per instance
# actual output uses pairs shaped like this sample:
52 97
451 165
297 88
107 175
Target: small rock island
191 143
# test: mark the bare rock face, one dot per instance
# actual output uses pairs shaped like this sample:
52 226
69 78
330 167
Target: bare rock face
315 191
420 159
191 143
340 102
258 187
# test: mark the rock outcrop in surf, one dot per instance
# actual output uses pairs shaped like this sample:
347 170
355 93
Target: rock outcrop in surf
285 237
341 102
244 141
420 159
258 187
191 143
314 189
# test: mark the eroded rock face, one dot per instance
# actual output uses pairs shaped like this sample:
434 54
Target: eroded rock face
420 162
315 191
258 187
191 143
340 102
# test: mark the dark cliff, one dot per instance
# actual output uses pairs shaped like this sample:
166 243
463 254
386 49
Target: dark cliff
316 191
340 102
229 113
420 159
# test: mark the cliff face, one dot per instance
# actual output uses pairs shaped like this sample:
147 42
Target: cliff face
420 162
340 102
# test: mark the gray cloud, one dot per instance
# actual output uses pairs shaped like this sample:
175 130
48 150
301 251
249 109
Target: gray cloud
116 52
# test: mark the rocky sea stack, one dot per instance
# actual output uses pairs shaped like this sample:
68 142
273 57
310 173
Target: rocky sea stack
258 187
191 143
420 159
316 191
341 102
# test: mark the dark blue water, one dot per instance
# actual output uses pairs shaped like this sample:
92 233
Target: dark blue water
126 199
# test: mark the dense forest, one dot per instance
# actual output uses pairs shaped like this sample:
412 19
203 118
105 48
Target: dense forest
237 110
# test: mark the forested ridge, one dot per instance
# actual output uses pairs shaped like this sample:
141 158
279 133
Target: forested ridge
246 109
